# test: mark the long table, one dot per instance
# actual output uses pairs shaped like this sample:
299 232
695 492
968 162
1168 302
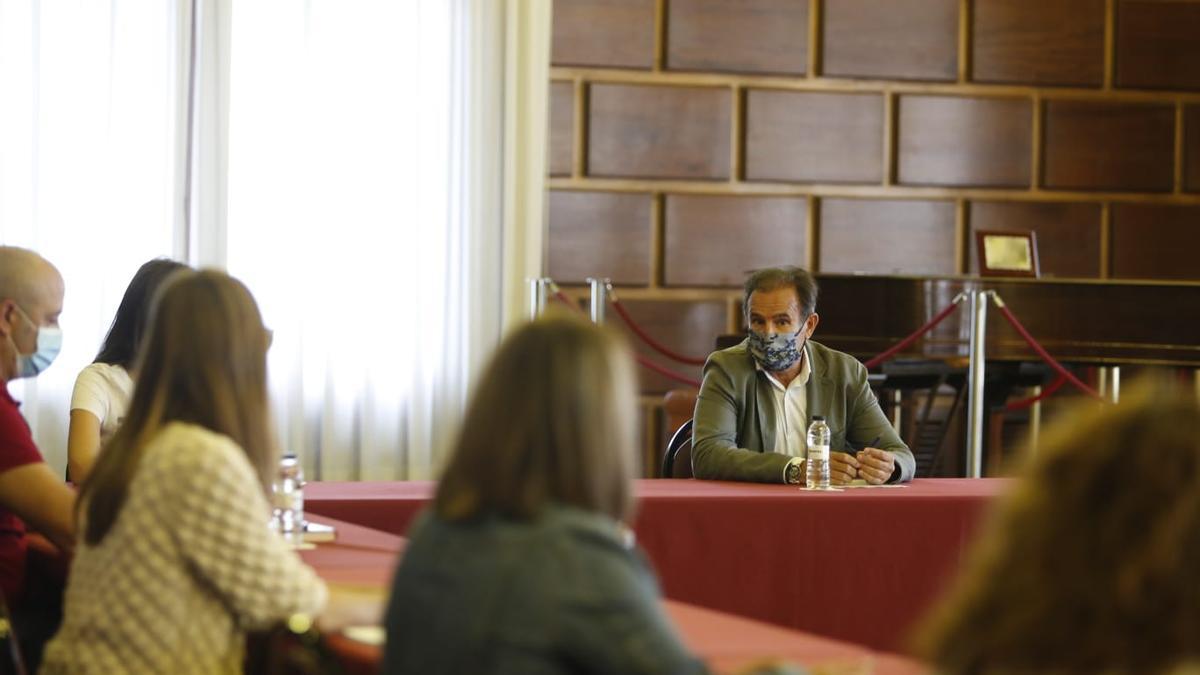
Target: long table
861 565
727 643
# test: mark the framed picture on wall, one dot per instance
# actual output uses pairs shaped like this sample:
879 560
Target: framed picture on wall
1007 254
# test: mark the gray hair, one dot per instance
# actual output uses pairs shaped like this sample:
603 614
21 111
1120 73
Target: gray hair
773 278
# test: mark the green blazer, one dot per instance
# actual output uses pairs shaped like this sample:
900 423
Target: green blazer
733 432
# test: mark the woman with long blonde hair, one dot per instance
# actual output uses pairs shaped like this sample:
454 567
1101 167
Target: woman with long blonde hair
176 561
1093 562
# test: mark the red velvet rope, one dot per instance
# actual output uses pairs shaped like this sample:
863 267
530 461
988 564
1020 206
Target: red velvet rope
1041 351
669 374
653 344
1028 402
562 297
642 361
903 344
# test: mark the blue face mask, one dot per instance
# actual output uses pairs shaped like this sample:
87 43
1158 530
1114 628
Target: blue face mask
776 351
49 343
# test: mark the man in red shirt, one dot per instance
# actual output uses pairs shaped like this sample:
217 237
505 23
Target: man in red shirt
31 298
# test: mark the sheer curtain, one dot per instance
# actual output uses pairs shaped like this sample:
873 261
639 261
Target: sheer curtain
345 159
88 177
355 190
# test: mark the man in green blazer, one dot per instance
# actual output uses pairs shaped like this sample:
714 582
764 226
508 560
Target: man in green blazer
758 397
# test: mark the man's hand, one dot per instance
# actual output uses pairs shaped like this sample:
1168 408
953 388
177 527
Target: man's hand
875 466
842 468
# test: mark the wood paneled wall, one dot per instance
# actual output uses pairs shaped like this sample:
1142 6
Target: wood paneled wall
693 140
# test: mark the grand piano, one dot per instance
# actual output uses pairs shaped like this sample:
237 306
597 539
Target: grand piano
1099 329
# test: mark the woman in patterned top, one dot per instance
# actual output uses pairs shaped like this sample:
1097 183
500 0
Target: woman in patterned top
176 561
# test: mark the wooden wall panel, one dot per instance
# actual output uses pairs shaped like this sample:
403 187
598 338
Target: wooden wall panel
1156 242
679 122
659 132
606 33
1191 148
897 39
1038 42
562 128
751 36
689 328
1068 234
814 137
887 236
714 241
600 234
952 140
1158 45
1109 146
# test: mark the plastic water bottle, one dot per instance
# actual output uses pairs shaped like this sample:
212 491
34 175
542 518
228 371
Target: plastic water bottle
288 492
818 455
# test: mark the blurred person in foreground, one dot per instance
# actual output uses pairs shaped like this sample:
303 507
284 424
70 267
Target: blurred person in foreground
176 561
1090 564
524 564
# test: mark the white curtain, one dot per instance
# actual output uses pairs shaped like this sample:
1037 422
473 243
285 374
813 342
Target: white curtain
87 165
356 187
345 159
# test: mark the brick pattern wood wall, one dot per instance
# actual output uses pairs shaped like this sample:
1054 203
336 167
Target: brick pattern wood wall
693 140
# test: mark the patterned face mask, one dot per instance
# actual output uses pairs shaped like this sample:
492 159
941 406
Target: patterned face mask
775 351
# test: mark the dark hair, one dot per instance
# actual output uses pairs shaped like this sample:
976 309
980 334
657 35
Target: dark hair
772 278
129 325
553 421
204 363
1090 563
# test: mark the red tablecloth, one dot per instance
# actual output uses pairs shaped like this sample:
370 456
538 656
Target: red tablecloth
725 641
728 643
860 565
358 555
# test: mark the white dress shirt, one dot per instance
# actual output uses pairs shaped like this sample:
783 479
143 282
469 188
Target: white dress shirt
791 408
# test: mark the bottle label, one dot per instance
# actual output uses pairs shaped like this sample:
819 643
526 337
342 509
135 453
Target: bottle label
818 452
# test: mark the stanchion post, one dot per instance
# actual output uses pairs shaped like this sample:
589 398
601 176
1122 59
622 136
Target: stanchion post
979 300
1035 421
537 296
599 298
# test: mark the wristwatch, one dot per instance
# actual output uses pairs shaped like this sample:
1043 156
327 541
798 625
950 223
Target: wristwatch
792 472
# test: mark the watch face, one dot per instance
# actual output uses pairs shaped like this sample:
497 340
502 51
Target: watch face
793 473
